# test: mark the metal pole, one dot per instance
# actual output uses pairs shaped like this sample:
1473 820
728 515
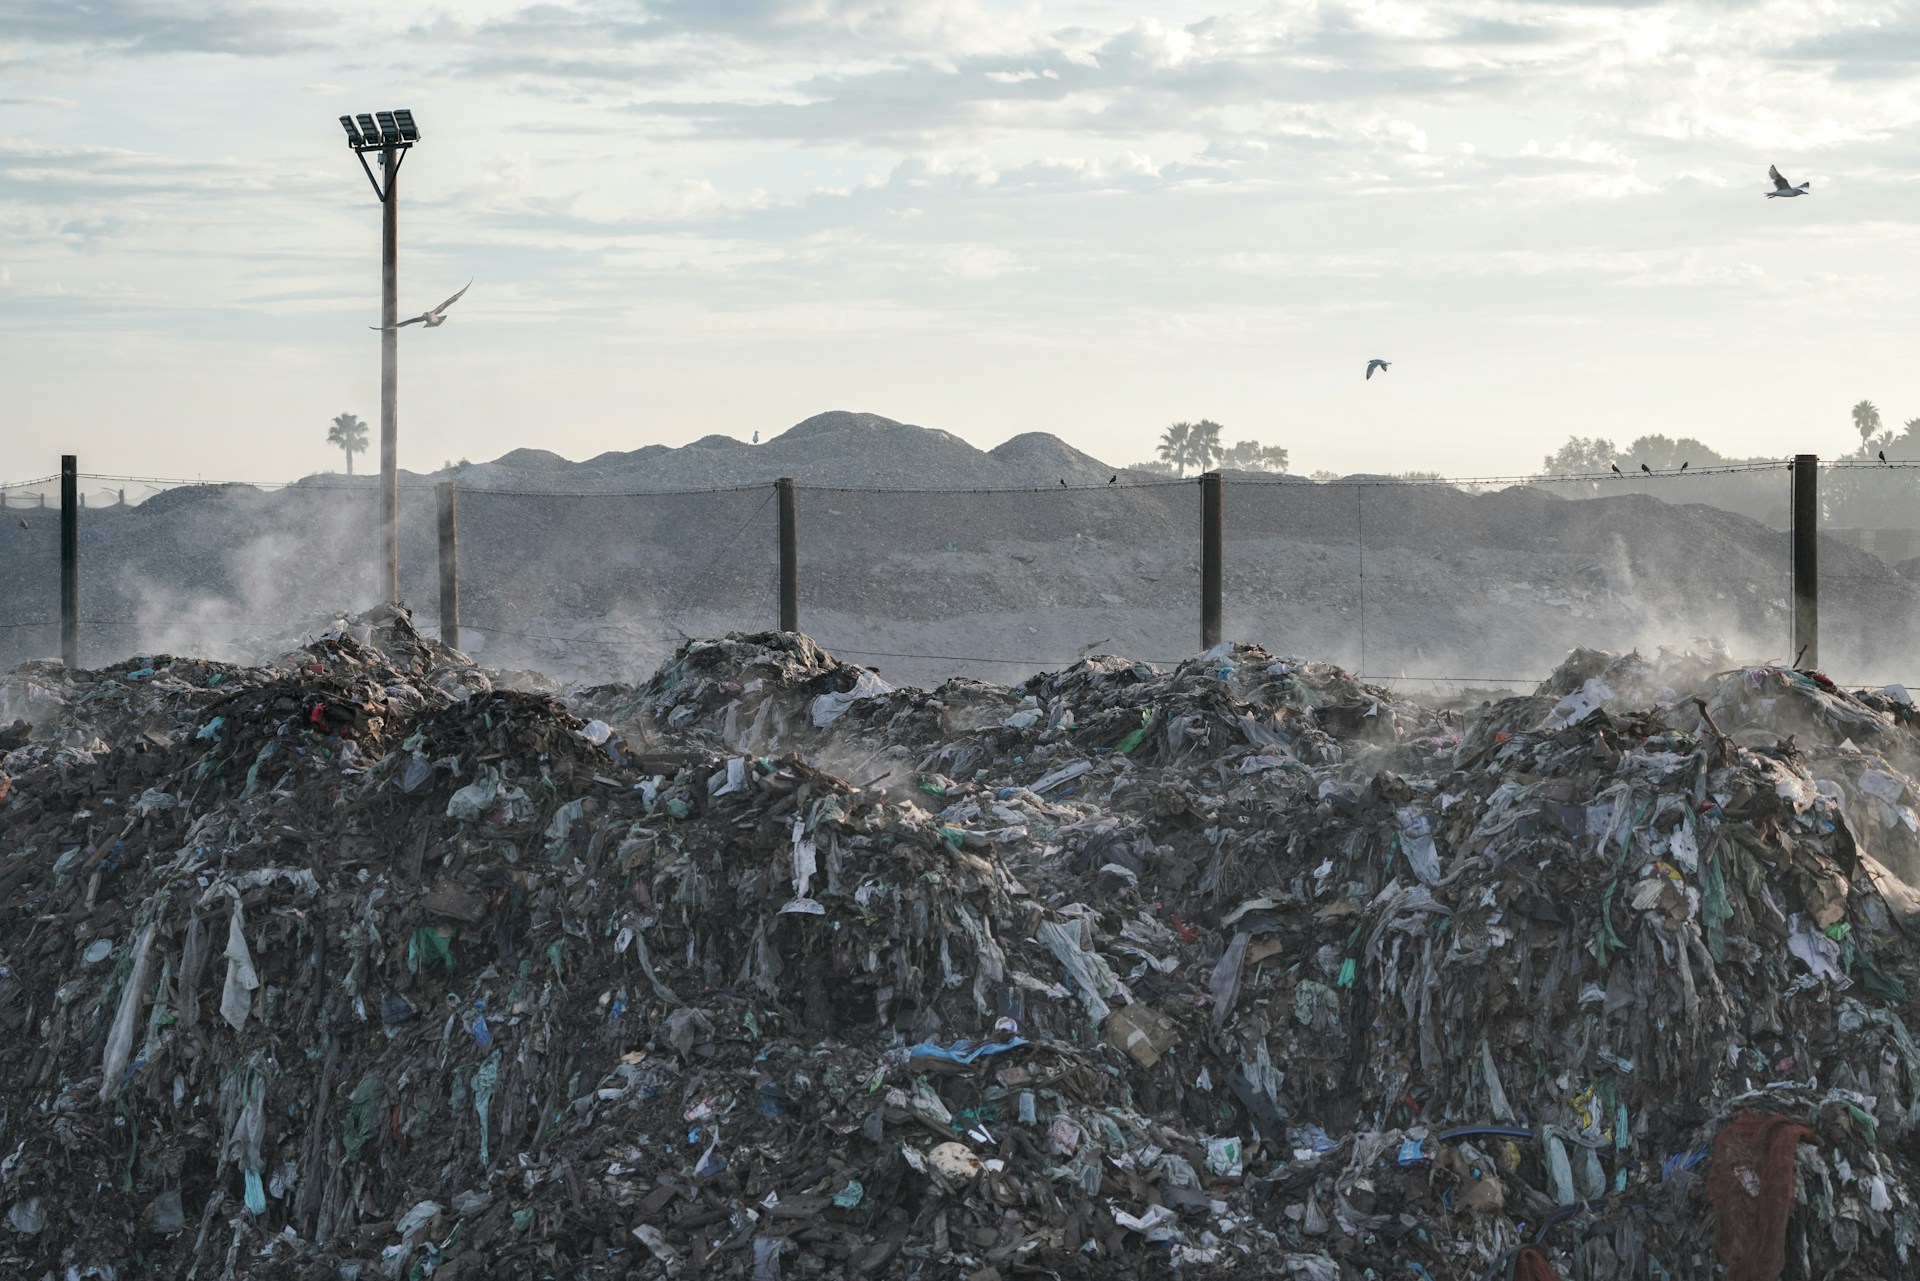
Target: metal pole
1212 540
789 558
70 560
1806 561
449 565
390 369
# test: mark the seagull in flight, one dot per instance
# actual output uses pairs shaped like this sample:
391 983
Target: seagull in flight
1781 187
1376 363
431 319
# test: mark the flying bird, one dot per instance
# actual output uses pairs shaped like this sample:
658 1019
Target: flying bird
1781 187
431 319
1376 363
1646 469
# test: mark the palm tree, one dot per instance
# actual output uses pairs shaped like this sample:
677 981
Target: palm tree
1203 444
1175 443
349 435
1866 421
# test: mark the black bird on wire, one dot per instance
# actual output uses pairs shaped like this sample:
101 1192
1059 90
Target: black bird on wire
1063 482
1646 469
1114 480
1683 466
1883 458
1616 469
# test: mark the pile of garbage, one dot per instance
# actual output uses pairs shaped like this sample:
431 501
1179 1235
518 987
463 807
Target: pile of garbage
362 965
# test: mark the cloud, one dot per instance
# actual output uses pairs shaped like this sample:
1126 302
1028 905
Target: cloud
162 26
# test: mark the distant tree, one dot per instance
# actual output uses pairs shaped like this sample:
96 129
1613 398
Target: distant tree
1204 444
1174 444
1580 456
1155 468
1866 421
1195 445
1906 446
349 435
1251 455
1662 454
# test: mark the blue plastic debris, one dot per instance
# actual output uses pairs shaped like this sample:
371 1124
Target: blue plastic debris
962 1052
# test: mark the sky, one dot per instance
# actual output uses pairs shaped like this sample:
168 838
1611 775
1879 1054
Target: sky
1085 217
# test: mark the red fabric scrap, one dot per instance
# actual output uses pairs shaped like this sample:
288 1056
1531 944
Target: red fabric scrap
1751 1186
1531 1265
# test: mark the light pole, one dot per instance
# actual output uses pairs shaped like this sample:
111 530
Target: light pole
391 134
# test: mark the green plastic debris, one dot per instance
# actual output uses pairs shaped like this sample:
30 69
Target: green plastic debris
1137 737
429 944
1348 970
849 1197
553 954
523 1219
363 1108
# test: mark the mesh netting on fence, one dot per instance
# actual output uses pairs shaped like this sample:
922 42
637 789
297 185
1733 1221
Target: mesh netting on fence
1454 583
997 584
221 570
1869 545
578 585
1435 583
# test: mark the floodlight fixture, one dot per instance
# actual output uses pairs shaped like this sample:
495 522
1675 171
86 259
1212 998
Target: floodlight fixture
387 133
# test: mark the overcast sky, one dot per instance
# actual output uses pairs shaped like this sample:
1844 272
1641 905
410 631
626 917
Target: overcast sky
1083 217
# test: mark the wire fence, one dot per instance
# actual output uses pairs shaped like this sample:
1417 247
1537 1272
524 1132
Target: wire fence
1460 584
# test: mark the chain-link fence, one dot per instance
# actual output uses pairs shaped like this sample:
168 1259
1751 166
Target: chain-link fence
996 584
608 584
1469 584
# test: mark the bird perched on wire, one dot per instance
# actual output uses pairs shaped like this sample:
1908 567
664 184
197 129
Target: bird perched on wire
1063 482
1115 479
1781 187
431 319
1376 363
1646 469
1683 466
1616 469
1883 458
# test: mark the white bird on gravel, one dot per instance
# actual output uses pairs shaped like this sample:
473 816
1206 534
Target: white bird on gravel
1376 363
431 319
1781 187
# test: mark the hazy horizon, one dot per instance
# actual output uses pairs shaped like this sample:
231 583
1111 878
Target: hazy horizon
1084 218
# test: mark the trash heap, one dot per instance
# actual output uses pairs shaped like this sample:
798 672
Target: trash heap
358 965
